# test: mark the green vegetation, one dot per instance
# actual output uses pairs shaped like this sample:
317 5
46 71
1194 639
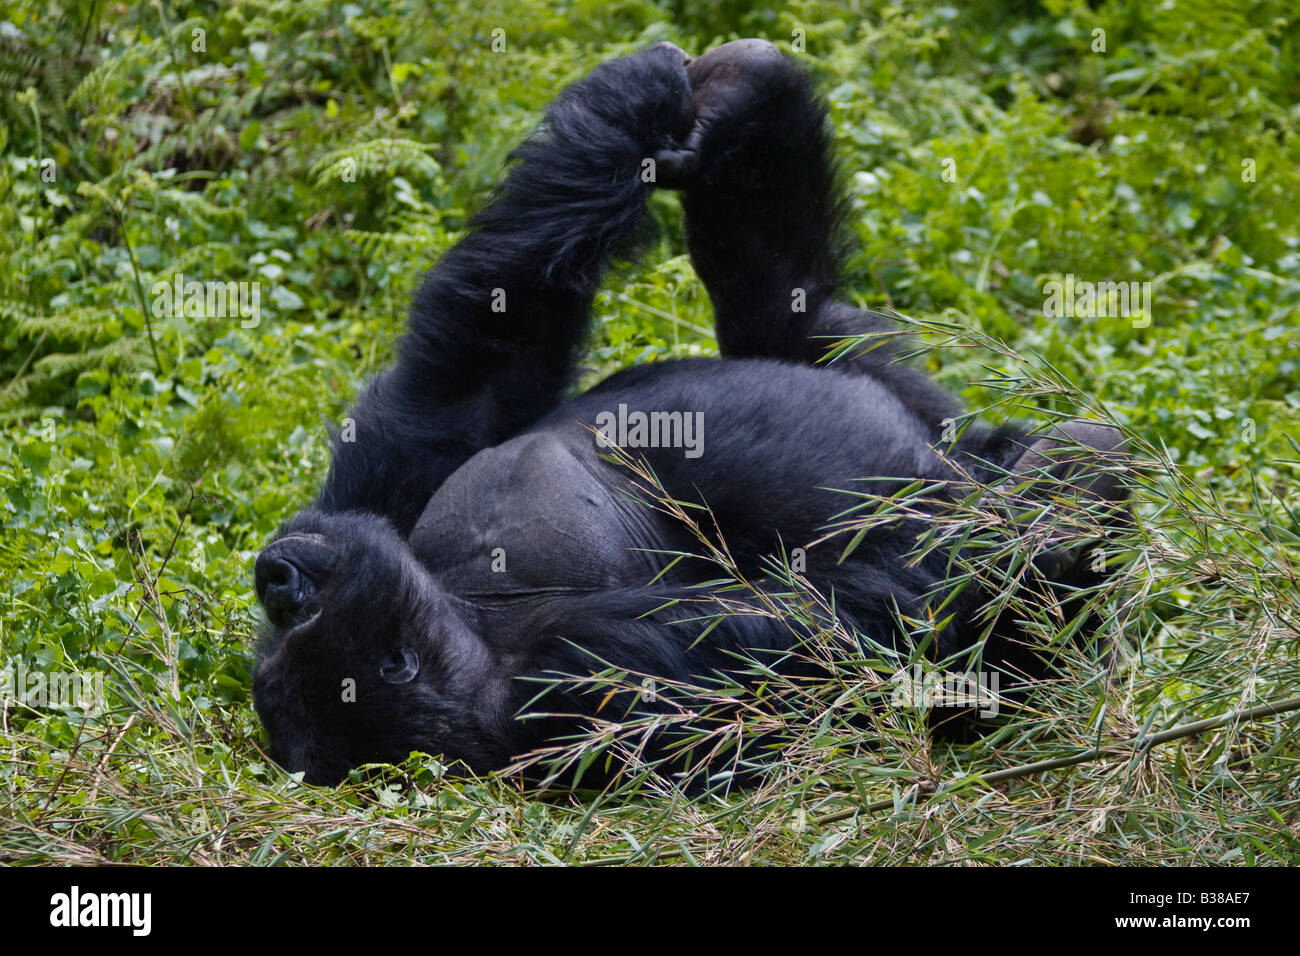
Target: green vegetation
991 148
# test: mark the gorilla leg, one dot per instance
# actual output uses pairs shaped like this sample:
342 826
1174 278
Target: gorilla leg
762 215
494 328
764 221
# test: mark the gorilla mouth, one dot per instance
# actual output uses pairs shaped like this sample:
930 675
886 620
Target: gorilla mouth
292 627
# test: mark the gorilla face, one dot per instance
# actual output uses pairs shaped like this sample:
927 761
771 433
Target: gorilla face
366 659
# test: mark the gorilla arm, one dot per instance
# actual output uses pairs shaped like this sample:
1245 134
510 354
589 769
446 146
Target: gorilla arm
494 328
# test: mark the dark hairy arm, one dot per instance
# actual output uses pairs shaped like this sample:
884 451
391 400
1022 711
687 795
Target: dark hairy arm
494 329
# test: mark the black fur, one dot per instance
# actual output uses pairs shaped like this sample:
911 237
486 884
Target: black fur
395 625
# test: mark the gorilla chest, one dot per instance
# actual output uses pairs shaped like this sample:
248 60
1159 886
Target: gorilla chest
530 517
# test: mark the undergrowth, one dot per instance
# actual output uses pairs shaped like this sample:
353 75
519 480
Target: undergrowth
146 458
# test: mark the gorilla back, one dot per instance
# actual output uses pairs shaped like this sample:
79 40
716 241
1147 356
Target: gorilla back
479 549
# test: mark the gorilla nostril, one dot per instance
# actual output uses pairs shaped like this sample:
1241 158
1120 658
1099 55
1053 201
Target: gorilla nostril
282 574
273 571
281 587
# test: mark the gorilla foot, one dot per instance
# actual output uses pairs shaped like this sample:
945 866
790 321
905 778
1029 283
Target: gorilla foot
730 84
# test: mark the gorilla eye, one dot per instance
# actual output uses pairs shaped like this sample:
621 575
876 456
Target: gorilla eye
399 666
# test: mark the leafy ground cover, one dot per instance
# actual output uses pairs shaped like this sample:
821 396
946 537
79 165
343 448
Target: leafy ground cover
992 149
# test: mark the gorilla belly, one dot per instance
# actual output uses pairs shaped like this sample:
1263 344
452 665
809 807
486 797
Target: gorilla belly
544 513
537 514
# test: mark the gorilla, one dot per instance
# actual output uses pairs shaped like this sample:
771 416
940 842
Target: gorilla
484 542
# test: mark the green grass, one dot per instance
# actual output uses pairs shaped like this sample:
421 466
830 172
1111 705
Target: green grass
146 459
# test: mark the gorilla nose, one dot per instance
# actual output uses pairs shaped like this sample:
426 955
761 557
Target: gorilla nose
276 573
281 587
288 572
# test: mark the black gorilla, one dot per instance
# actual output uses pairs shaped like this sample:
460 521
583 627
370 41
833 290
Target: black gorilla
475 533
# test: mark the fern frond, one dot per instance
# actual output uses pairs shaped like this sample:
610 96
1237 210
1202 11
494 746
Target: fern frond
76 326
385 155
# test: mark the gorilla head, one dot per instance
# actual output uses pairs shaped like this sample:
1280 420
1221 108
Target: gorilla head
368 659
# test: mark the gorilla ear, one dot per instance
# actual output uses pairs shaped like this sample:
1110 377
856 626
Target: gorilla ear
1076 461
399 666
